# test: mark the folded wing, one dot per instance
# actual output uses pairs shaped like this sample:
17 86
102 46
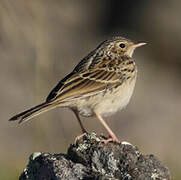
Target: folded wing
83 84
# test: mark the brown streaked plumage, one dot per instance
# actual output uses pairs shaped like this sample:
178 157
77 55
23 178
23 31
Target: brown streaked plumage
101 84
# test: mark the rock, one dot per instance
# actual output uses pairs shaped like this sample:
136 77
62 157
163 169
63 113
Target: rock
90 158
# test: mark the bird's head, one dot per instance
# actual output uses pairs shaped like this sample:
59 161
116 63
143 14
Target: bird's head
120 46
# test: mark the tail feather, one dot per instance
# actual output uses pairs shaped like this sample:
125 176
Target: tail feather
34 111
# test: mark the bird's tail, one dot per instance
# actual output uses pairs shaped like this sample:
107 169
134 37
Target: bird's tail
34 111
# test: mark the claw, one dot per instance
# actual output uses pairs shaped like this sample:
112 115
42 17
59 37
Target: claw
110 139
79 137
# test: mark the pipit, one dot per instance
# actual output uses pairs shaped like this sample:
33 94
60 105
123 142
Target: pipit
101 84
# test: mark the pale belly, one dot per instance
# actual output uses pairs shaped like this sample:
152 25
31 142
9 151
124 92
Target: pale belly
107 103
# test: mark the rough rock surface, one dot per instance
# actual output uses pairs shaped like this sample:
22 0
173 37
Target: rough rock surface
90 158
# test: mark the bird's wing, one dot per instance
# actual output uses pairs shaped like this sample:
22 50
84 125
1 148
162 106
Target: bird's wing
85 83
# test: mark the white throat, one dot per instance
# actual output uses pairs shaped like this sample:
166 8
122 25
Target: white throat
130 52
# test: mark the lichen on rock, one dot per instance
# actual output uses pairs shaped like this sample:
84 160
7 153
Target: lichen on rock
90 158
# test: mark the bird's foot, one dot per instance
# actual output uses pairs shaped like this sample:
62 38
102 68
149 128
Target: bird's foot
110 139
80 137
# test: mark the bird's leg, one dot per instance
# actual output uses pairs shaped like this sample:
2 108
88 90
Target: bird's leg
78 118
81 125
112 135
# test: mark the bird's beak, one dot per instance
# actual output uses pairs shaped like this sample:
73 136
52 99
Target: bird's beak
133 47
139 44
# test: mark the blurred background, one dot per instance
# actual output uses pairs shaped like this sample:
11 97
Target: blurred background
41 41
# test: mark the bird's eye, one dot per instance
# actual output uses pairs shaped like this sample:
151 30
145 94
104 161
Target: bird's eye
122 45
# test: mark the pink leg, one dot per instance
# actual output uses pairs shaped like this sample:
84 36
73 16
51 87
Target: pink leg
113 136
80 123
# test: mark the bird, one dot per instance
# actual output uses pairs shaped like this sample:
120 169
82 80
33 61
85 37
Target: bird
100 84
